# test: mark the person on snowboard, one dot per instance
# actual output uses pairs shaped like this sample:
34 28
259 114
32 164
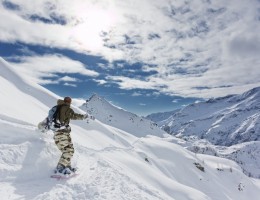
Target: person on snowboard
62 134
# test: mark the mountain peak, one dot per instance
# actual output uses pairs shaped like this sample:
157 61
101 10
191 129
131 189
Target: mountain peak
253 93
112 115
93 96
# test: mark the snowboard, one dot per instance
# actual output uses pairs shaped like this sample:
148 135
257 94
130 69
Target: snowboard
42 126
63 177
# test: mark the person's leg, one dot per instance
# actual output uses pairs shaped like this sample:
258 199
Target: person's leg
67 154
64 144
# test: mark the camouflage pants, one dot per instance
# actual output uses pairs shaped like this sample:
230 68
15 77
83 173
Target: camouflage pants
63 141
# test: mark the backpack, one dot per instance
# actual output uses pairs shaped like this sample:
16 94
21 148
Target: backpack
51 121
53 116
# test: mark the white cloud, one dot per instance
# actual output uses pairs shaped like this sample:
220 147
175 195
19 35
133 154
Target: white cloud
42 69
175 100
100 82
130 83
69 84
156 94
68 79
81 33
198 56
136 94
198 48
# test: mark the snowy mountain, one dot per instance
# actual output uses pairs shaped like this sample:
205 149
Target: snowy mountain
113 164
109 114
232 121
160 118
245 154
222 121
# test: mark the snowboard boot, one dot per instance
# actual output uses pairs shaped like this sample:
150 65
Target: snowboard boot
72 169
61 169
67 171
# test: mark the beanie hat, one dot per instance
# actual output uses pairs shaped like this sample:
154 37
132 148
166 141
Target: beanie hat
67 100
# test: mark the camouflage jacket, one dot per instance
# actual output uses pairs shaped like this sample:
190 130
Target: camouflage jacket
66 113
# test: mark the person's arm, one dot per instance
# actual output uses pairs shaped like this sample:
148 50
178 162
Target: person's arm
76 116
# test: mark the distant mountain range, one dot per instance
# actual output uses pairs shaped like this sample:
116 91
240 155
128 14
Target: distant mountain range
222 121
227 127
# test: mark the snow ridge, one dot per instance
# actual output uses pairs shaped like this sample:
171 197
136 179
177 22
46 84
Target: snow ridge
119 118
222 121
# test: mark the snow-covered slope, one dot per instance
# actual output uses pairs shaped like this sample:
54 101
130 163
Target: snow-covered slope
160 118
113 164
119 118
209 126
245 154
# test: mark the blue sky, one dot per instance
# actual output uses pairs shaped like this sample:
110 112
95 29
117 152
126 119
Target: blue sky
144 56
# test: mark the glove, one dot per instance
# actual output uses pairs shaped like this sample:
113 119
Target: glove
92 117
86 116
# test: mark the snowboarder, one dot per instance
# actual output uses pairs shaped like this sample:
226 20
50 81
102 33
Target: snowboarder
62 130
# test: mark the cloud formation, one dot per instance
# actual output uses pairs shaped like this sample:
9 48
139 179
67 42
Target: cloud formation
200 48
43 69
